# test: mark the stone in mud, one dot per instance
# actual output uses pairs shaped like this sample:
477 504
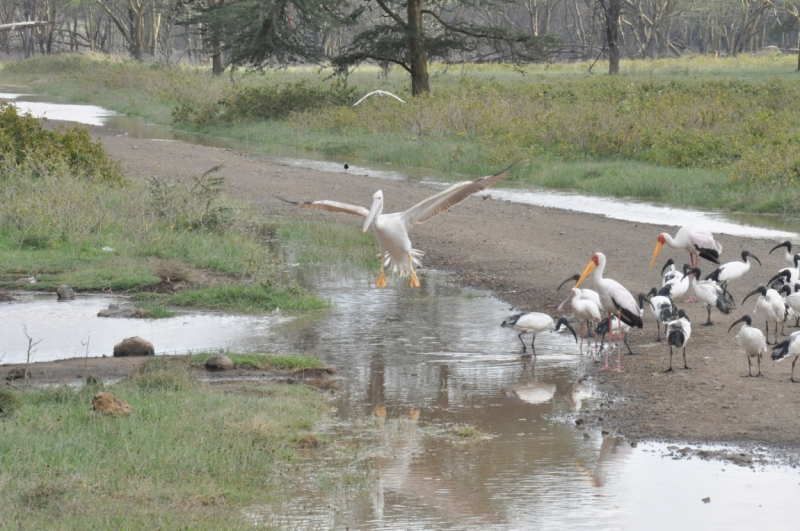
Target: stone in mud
6 298
219 362
124 310
65 293
18 373
93 380
108 404
134 346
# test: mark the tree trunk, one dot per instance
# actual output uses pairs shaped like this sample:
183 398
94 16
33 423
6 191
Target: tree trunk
216 56
611 10
419 60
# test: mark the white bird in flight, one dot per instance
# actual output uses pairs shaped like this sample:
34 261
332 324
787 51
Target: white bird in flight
378 93
392 229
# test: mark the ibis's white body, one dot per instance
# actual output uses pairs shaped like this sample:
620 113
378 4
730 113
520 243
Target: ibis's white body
752 341
679 286
534 323
707 291
682 325
733 270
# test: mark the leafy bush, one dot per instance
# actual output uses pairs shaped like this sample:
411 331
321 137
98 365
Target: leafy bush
23 140
9 401
267 102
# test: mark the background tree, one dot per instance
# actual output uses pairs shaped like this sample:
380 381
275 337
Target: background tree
410 34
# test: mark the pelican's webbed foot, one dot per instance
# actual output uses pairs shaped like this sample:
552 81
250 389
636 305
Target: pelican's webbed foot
381 282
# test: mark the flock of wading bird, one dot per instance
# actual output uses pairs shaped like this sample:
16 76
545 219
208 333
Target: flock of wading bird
778 300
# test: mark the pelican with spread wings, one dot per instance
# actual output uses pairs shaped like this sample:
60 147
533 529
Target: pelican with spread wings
392 229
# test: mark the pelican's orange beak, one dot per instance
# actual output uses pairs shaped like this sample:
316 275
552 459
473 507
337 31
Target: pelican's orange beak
659 245
589 268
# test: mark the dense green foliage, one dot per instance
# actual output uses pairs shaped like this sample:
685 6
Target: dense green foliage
23 140
189 457
696 131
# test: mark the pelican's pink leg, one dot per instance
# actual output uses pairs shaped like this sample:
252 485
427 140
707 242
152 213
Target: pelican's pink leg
610 341
619 344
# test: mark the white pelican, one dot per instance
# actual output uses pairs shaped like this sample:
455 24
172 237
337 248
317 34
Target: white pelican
787 254
732 270
767 309
585 310
535 323
710 294
697 241
392 229
790 347
378 93
661 307
615 299
752 342
602 330
678 333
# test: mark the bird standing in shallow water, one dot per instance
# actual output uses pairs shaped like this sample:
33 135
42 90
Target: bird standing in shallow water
391 230
678 333
535 323
615 299
752 342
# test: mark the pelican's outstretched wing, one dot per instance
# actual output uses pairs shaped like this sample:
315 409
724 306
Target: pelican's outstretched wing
379 93
446 199
331 206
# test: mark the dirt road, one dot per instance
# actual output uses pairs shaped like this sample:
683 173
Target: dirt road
521 253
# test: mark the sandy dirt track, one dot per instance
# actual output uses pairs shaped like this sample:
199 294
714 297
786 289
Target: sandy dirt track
521 253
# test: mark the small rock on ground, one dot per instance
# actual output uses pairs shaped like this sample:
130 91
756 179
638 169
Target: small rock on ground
134 346
65 293
219 362
108 404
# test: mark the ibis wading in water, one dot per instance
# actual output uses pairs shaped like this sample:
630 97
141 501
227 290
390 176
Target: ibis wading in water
697 241
392 229
615 300
752 342
535 323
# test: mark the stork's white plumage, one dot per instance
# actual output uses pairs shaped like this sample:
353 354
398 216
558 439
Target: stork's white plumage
710 294
678 333
732 270
614 298
696 241
661 307
752 342
767 309
391 230
588 294
585 310
790 347
535 323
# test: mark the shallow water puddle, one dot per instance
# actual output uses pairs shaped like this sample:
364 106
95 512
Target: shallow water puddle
750 225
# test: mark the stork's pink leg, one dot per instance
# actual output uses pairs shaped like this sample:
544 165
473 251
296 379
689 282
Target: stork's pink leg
610 341
619 343
581 333
693 259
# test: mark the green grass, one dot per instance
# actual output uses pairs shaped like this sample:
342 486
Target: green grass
264 362
248 298
156 311
189 457
698 131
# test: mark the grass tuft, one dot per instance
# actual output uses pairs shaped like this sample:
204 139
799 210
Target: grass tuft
266 362
9 401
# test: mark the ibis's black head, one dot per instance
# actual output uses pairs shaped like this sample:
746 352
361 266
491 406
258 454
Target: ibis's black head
786 274
743 319
686 269
796 260
788 246
796 287
642 297
563 322
785 289
761 289
670 262
573 278
745 254
682 315
652 293
696 272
